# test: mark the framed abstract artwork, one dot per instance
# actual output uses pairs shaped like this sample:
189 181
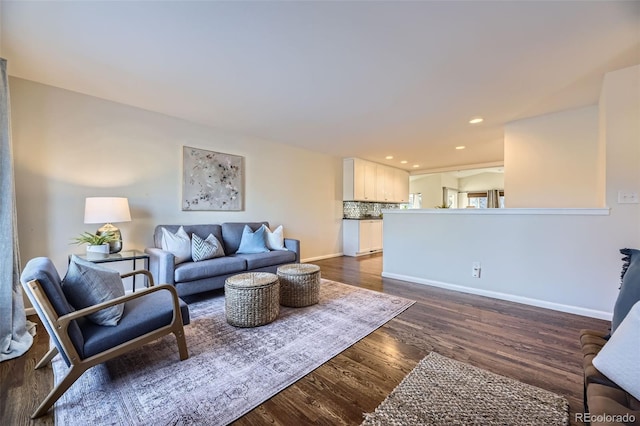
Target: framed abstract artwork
211 180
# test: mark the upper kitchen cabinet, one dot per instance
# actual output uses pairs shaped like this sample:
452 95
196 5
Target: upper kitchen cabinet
401 188
367 181
359 180
385 183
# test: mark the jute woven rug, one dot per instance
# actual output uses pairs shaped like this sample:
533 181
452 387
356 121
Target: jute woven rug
230 370
442 391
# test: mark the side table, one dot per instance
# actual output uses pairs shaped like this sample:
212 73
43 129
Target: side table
123 256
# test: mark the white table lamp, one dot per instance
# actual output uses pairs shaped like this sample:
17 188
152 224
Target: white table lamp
107 210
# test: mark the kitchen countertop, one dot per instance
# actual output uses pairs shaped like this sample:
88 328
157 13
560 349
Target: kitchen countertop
363 218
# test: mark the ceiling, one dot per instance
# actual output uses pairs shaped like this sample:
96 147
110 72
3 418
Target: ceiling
353 78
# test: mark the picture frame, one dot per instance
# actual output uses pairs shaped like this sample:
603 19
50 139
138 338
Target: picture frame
212 180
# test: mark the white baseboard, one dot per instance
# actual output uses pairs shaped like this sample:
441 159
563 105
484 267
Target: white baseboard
504 296
326 256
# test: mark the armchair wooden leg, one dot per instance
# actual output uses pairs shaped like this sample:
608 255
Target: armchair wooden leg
56 393
182 344
47 358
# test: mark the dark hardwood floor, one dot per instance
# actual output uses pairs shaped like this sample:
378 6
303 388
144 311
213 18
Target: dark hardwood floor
533 345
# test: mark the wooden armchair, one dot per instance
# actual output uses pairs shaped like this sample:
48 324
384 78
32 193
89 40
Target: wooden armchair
148 315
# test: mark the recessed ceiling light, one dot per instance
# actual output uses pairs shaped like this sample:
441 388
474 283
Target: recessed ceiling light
460 147
415 166
389 157
476 120
404 162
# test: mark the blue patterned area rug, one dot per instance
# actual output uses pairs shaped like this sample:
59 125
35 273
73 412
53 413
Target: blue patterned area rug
230 370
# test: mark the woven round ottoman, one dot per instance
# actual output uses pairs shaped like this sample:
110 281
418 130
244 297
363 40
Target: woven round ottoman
299 284
251 299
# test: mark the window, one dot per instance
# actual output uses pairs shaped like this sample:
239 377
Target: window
479 199
415 200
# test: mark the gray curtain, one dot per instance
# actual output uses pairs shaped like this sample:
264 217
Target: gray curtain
493 199
14 337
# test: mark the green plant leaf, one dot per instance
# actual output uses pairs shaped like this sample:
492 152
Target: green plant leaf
95 239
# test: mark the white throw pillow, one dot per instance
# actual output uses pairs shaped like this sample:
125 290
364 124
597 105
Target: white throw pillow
275 239
205 249
619 358
178 244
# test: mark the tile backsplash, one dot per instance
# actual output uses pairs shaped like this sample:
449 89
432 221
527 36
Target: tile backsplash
361 209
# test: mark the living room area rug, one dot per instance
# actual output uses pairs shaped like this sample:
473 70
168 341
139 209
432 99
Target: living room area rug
440 392
230 370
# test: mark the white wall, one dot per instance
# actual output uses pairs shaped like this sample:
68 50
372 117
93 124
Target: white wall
569 262
69 146
481 182
620 115
430 186
552 160
563 262
449 180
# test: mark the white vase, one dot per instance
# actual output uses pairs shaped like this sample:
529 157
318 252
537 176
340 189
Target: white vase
101 249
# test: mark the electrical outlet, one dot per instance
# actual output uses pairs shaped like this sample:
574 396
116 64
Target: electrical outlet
475 269
627 197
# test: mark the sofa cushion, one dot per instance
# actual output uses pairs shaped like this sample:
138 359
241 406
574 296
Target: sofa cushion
178 244
201 230
191 271
262 260
275 238
232 234
87 284
619 358
253 241
205 249
629 288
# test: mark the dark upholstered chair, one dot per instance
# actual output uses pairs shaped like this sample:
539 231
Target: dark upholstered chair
148 314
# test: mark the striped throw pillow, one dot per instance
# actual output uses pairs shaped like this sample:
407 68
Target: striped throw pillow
205 249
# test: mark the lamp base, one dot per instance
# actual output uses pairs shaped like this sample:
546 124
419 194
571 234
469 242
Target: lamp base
114 246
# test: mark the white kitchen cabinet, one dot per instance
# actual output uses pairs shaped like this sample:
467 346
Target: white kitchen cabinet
401 186
359 180
361 236
367 181
385 184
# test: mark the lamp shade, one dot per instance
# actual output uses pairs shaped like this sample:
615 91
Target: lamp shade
106 210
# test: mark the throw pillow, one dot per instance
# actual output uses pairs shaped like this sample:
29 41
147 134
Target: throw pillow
178 244
620 356
205 249
274 239
629 288
87 284
252 242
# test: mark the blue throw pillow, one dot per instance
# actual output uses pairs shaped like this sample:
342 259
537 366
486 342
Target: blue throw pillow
629 288
87 284
252 242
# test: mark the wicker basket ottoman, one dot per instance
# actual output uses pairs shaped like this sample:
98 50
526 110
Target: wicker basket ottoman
251 299
299 284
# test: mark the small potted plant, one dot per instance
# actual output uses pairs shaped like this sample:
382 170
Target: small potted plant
443 206
96 243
